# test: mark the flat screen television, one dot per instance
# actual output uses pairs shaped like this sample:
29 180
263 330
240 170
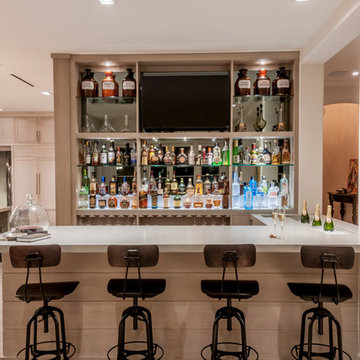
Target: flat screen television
185 101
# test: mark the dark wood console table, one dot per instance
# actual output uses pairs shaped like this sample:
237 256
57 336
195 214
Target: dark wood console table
342 199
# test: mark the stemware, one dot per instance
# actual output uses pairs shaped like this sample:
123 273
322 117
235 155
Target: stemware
89 126
282 217
107 127
275 215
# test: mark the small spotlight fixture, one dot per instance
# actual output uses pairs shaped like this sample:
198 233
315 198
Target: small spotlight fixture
355 73
301 0
46 93
107 2
1 109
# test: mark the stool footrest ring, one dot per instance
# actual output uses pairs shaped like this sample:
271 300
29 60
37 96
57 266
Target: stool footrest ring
235 354
69 351
129 353
295 352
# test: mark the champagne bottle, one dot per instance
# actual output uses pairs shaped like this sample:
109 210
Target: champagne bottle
317 219
305 215
329 224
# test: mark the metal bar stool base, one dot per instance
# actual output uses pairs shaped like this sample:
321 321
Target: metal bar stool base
234 354
129 353
69 351
295 352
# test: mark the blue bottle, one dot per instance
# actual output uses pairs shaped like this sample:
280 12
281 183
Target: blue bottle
248 197
253 186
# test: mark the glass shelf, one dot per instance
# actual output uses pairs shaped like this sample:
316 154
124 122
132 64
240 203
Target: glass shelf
185 166
108 100
257 165
262 98
105 166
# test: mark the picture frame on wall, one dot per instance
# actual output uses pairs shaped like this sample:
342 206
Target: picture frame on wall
353 176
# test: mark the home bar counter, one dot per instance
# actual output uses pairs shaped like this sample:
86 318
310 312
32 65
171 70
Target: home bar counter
183 315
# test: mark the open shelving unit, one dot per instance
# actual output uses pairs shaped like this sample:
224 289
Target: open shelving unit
117 107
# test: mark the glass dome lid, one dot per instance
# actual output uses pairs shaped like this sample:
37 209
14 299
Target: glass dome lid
29 217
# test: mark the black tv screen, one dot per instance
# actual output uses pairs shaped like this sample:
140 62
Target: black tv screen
185 101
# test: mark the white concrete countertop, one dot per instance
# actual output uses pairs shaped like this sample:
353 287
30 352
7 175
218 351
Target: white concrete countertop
84 239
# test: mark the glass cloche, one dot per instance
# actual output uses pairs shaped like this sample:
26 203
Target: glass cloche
29 217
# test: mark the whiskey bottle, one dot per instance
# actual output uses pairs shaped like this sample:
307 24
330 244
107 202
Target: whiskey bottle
236 155
160 154
167 160
88 156
125 202
329 224
242 84
198 202
112 202
92 201
208 201
103 155
160 190
134 184
166 200
207 185
177 200
174 184
305 219
262 83
112 186
267 153
153 191
182 187
127 159
191 156
144 154
108 85
275 157
111 154
96 154
173 156
225 153
129 84
190 190
153 157
102 192
167 186
143 194
261 159
215 185
281 85
88 85
182 157
93 185
199 188
134 200
254 155
216 155
225 199
125 187
187 201
119 157
317 218
285 153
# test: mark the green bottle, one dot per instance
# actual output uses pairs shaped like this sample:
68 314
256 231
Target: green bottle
85 181
225 154
177 200
305 219
317 219
329 224
236 154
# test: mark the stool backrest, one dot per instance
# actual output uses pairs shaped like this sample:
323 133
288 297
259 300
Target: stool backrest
133 255
26 256
325 256
220 255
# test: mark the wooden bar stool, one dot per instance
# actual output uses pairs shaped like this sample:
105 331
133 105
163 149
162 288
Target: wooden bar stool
39 257
324 258
136 257
233 256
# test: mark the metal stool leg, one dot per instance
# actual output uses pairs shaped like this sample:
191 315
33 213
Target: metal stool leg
62 329
149 332
215 338
243 334
28 335
302 333
331 340
339 338
311 325
121 336
57 336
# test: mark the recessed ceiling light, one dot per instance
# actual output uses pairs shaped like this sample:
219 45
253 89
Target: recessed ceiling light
46 93
1 109
107 2
355 73
301 0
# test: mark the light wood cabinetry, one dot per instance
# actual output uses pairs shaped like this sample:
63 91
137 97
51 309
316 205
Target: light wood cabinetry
34 130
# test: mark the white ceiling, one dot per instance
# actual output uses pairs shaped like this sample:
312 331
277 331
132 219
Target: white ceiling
32 30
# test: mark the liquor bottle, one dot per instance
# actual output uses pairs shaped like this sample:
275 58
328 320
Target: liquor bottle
209 157
262 83
173 156
222 183
112 202
190 190
166 200
153 158
134 184
236 155
82 153
127 160
177 200
260 122
225 154
116 85
182 187
216 197
119 157
108 85
241 125
217 160
92 201
242 83
112 186
253 185
199 189
143 194
199 155
241 183
187 201
284 191
174 184
85 181
198 199
248 198
153 191
92 73
125 187
275 157
285 153
317 219
134 200
126 128
133 154
260 197
191 156
103 155
160 154
182 157
264 184
266 153
167 157
272 195
88 85
111 154
207 185
247 156
96 154
129 84
225 198
83 200
208 201
93 185
280 116
215 185
281 85
125 202
254 155
305 219
261 158
329 224
88 156
167 186
235 190
203 156
102 193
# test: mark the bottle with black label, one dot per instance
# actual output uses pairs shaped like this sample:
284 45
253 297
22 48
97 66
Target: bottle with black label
262 83
242 84
129 84
88 85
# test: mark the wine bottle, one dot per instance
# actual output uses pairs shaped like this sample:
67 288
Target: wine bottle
305 215
329 224
317 219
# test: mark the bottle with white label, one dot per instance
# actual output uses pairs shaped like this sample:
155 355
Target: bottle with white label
242 84
129 84
88 85
272 195
262 83
281 85
191 156
284 191
104 155
108 85
111 154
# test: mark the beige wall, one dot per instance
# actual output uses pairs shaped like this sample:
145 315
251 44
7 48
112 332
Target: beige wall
341 139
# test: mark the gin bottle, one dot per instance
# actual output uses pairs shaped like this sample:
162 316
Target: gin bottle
235 191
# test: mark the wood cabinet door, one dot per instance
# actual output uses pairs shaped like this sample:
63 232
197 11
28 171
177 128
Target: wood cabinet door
27 130
6 131
46 166
47 131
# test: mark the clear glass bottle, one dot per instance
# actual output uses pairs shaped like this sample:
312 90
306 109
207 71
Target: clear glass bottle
108 85
199 155
103 155
93 185
247 156
83 198
144 154
209 157
253 185
275 157
133 154
284 191
241 125
248 198
187 201
272 195
88 126
191 156
160 154
96 154
235 190
199 185
285 153
182 157
204 160
280 117
198 201
242 83
215 185
208 201
217 160
160 189
262 83
126 128
129 84
190 190
106 127
207 185
111 154
225 154
85 181
82 152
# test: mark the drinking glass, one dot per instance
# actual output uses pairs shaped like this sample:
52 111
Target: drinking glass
282 218
275 215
